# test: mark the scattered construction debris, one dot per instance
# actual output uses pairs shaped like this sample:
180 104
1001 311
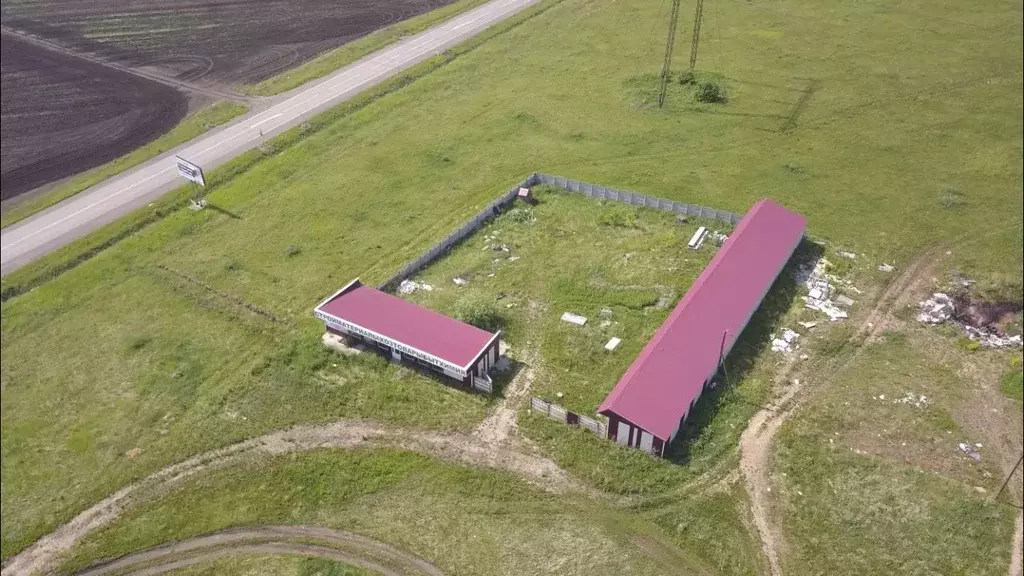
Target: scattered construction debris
936 310
977 326
410 286
719 238
787 342
460 281
808 325
574 319
971 450
844 301
993 339
819 289
915 400
886 267
612 344
847 254
698 238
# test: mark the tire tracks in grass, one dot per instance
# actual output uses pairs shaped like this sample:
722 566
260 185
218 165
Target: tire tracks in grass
757 439
309 541
347 434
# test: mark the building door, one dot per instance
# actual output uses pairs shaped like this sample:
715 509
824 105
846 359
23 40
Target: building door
622 435
646 442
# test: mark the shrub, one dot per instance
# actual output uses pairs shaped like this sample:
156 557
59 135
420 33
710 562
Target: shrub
479 310
710 92
951 198
687 78
522 216
294 250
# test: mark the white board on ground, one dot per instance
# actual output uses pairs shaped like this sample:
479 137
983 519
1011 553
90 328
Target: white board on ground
574 319
698 237
612 344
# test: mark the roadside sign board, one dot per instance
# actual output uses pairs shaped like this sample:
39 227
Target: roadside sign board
190 171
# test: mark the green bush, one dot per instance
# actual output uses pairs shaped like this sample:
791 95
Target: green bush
687 78
479 310
710 92
522 216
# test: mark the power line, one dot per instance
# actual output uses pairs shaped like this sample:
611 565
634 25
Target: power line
670 43
698 15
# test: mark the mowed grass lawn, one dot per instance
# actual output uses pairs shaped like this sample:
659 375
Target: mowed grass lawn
913 136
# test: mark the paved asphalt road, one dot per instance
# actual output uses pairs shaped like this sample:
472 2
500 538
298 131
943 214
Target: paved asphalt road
108 201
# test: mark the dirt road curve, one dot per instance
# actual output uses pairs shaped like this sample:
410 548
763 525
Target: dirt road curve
459 447
294 540
77 216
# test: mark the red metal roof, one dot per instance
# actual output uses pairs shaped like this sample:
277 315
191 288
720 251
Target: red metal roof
658 389
408 323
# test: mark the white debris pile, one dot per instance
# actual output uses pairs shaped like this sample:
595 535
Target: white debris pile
971 450
847 254
460 281
719 238
936 309
787 342
410 286
886 267
992 339
819 290
915 400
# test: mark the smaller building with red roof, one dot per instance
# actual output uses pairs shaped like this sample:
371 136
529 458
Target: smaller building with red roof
411 333
652 399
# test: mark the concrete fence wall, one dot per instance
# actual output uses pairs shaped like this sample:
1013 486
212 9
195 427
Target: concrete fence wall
556 412
633 198
587 189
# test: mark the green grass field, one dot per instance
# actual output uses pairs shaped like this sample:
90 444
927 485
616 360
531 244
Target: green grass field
860 468
462 520
910 138
192 126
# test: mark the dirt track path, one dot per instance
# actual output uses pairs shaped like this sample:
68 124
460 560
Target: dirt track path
501 424
756 440
312 541
452 446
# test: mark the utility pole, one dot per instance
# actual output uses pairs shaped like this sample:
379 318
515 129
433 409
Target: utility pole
1010 475
669 46
697 17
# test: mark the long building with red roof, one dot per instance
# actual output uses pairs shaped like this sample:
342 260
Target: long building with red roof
411 333
648 405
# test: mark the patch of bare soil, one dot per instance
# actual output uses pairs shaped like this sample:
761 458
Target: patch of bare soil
756 440
452 446
62 115
502 423
338 545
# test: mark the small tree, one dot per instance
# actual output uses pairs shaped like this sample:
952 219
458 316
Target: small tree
710 92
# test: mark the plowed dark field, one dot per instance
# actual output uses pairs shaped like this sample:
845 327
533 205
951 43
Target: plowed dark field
62 115
55 107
